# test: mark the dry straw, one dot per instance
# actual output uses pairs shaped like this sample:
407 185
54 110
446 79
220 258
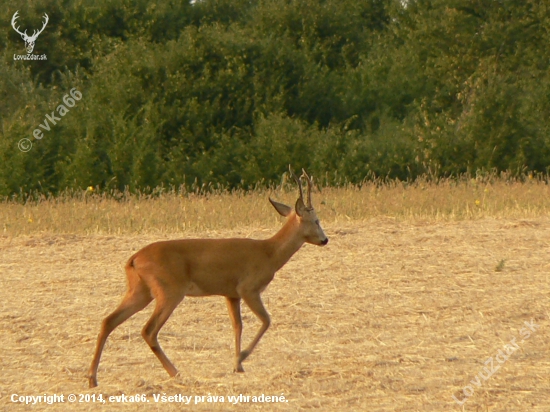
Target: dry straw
398 313
176 212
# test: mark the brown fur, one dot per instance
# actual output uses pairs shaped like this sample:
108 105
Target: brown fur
235 268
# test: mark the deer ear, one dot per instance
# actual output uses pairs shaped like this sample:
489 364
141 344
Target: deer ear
283 210
300 207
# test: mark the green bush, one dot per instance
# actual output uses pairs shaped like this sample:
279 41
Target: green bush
228 93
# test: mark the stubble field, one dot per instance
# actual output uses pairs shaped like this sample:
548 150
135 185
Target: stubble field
417 289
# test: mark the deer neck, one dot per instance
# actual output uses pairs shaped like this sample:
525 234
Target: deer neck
286 242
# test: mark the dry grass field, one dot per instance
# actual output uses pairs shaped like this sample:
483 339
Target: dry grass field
419 286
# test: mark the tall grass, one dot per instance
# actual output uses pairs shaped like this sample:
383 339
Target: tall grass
175 212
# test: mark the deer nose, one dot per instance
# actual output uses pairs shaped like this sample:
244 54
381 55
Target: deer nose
324 242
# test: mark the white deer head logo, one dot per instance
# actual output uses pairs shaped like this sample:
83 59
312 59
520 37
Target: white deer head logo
29 40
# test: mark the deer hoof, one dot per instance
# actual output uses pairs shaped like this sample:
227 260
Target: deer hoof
93 381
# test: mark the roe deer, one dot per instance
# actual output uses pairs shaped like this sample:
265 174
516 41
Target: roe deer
235 268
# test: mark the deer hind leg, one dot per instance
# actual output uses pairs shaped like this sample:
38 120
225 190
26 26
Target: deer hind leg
234 306
254 302
164 308
137 298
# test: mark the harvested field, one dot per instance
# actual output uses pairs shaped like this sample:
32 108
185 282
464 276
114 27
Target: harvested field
393 315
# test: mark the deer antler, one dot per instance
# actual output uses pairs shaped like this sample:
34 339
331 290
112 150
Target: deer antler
37 32
309 184
13 19
298 182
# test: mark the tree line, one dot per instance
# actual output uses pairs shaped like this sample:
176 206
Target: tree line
227 93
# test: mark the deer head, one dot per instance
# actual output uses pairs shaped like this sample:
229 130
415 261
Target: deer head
305 213
29 40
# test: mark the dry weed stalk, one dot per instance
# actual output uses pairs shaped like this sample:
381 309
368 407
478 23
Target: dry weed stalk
178 212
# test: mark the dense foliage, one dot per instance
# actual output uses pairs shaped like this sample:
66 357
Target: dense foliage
229 92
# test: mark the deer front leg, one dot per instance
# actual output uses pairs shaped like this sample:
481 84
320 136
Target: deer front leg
234 307
254 302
